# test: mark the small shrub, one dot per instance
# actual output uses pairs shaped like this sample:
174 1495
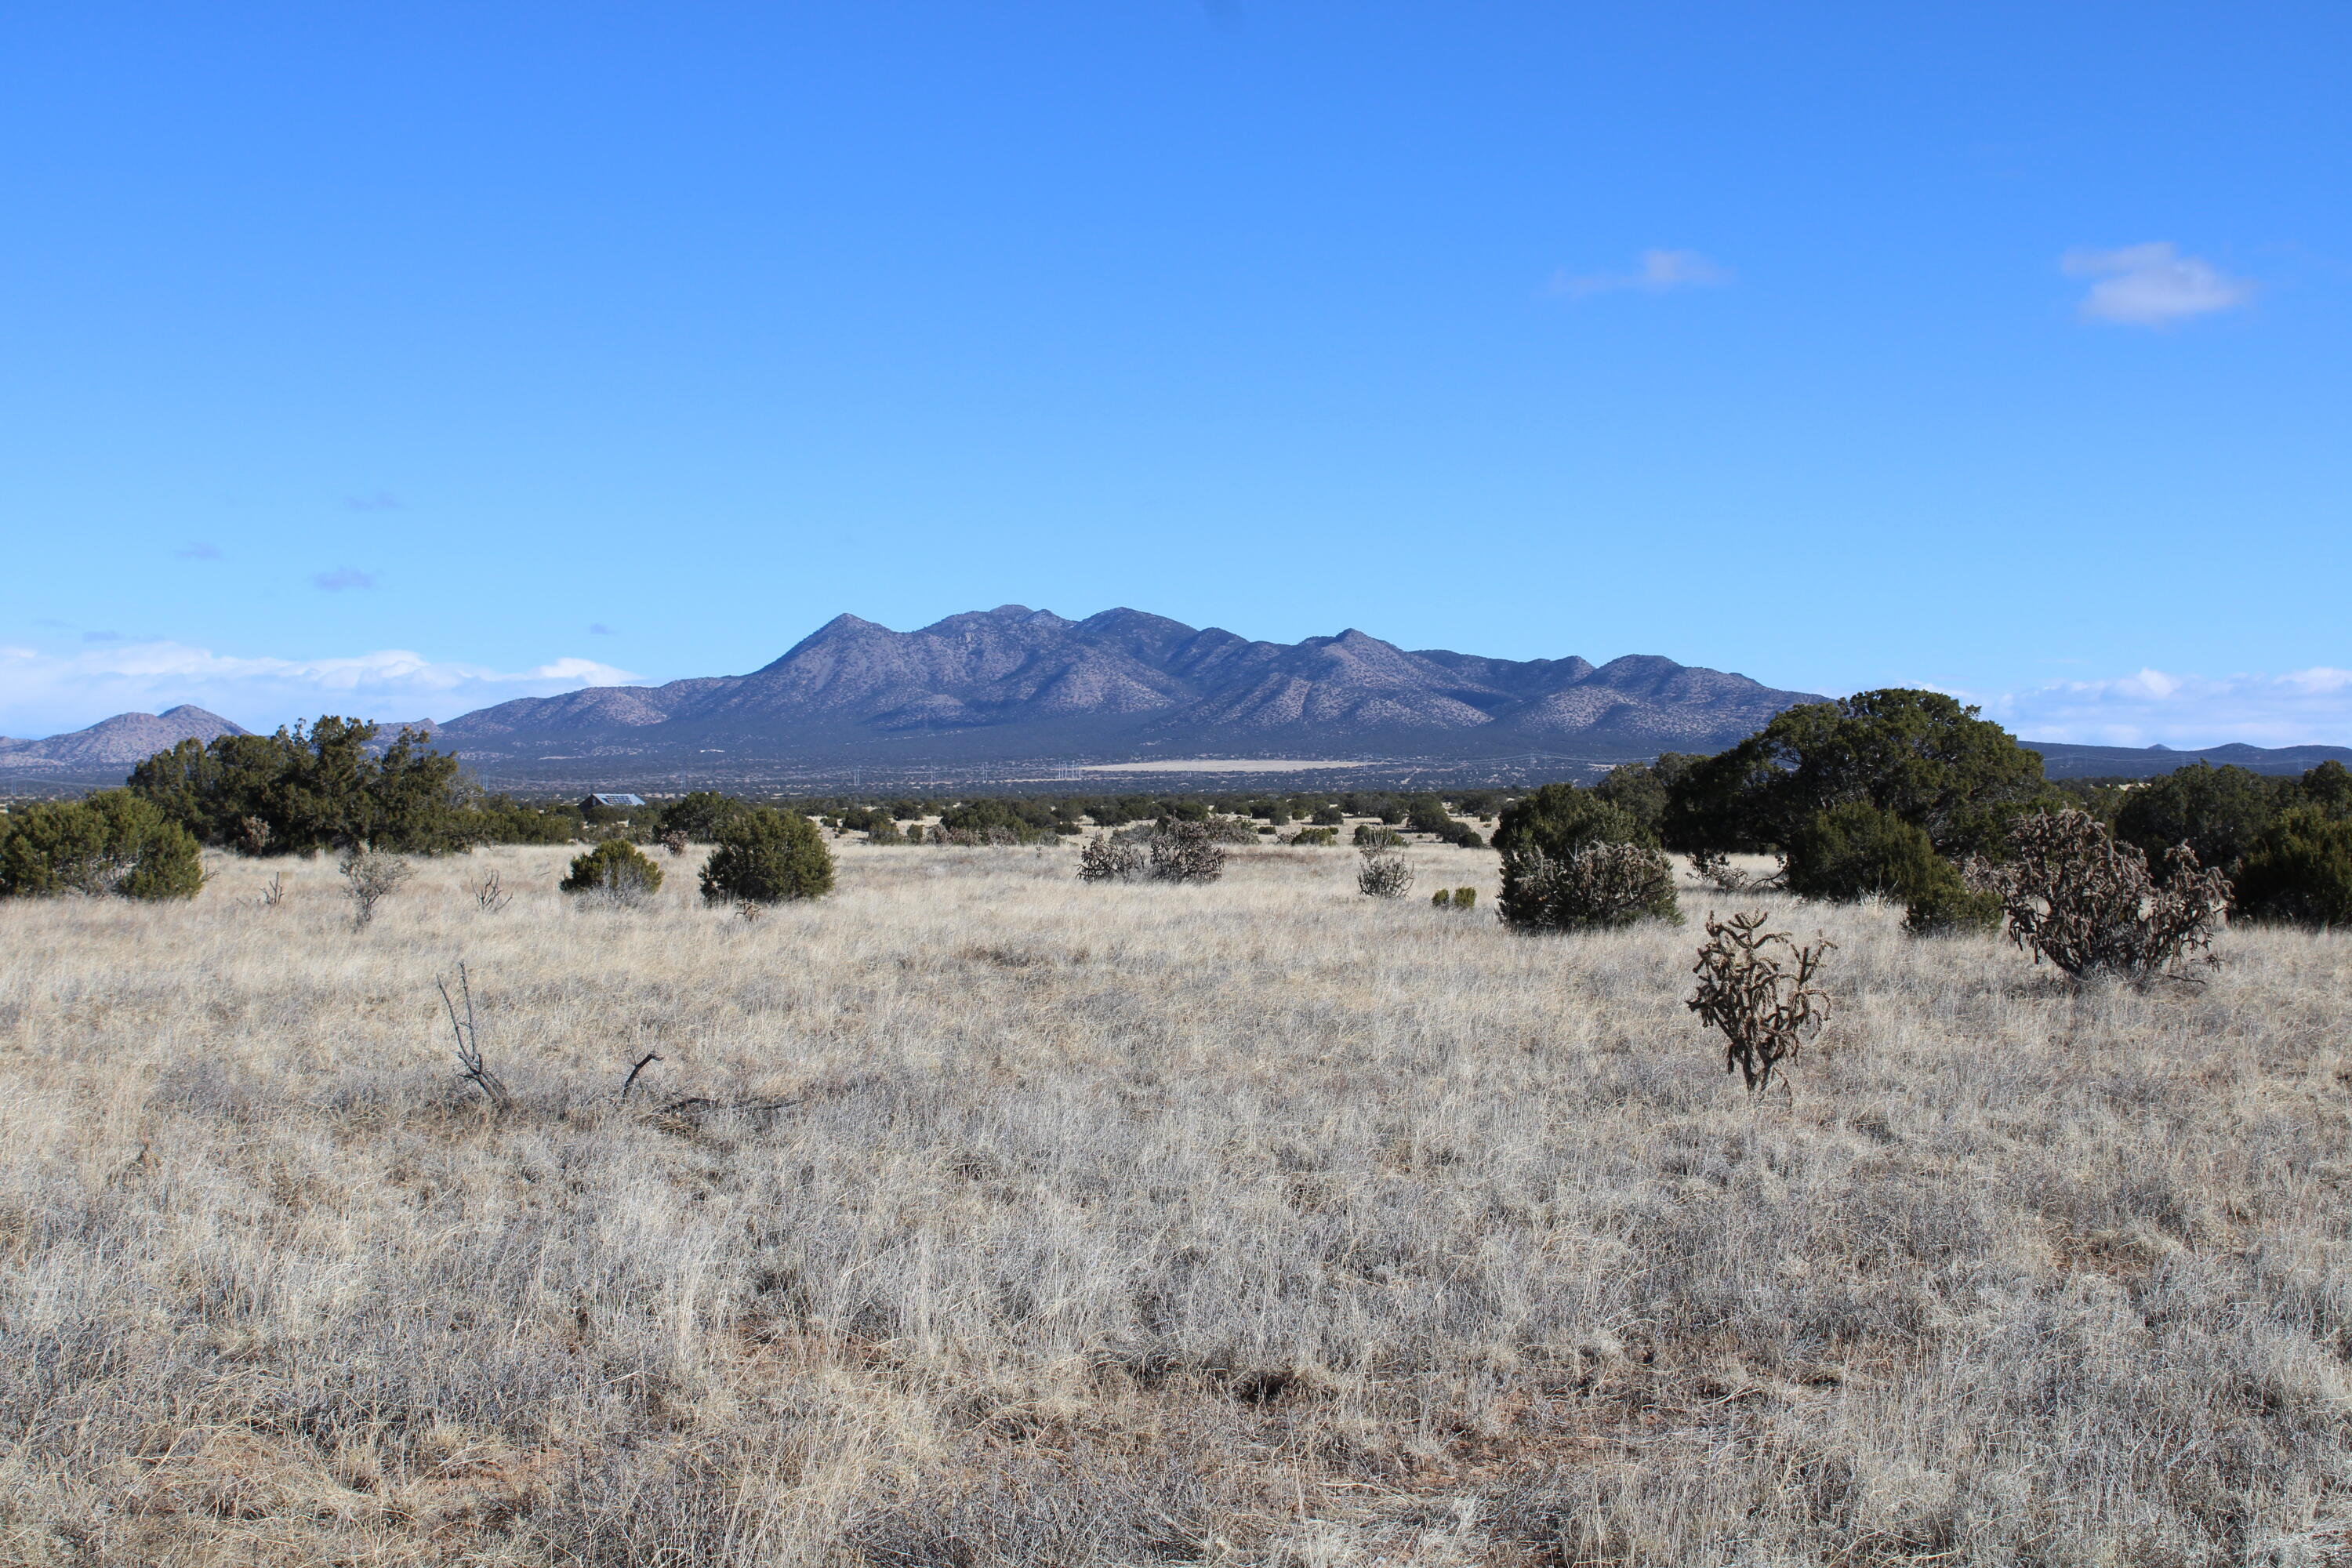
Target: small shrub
884 831
2075 896
1108 859
1714 867
1599 885
1757 987
110 843
1314 837
1328 817
2300 870
1465 897
766 856
1371 836
370 877
615 872
674 840
1186 852
1385 874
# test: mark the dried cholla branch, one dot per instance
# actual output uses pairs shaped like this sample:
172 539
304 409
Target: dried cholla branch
1763 1000
469 1042
2075 896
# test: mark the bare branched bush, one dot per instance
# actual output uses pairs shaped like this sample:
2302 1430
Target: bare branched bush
1595 886
1108 859
1384 874
2073 895
272 891
489 897
370 877
1186 852
469 1041
252 836
1714 867
1757 986
675 841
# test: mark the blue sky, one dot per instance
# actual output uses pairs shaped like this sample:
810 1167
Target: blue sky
402 359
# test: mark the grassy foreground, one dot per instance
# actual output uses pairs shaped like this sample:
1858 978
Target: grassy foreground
975 1216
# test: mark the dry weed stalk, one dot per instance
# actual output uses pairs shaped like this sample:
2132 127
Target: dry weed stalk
469 1042
1764 1001
273 891
489 897
2075 896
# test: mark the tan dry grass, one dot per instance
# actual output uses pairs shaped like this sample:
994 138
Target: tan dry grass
1253 1223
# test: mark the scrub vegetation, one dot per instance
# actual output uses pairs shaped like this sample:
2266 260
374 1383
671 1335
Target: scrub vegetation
968 1215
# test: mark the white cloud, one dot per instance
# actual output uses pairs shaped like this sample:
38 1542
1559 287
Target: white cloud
2305 707
1660 271
2152 284
45 693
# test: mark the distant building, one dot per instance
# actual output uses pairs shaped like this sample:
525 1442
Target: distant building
591 802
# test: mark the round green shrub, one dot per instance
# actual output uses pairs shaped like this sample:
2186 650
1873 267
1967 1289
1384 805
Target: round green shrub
1596 885
113 842
616 866
766 856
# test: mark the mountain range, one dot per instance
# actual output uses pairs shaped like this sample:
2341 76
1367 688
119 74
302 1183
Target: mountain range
1012 684
1012 690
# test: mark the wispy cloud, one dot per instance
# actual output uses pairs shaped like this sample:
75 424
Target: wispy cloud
102 636
2152 284
1659 272
199 550
44 693
342 578
382 501
599 629
2305 707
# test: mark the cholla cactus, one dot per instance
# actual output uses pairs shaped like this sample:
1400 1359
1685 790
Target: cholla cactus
1186 852
1385 874
2075 896
1757 986
1108 859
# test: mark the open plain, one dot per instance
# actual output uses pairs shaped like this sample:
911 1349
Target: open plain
975 1216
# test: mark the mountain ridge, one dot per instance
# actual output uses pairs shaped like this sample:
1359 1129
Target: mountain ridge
1015 682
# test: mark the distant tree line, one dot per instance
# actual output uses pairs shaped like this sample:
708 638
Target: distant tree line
1887 793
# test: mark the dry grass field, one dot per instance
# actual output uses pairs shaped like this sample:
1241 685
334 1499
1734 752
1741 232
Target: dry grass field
974 1216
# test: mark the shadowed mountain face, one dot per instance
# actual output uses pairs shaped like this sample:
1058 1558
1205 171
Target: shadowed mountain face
1015 683
125 739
